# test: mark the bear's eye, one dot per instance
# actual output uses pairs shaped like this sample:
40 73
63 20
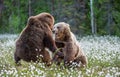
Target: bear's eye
58 27
32 23
37 25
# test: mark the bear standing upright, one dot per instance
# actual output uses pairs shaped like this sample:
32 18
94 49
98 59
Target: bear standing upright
35 38
71 52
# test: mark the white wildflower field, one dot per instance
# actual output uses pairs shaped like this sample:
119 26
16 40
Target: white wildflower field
103 54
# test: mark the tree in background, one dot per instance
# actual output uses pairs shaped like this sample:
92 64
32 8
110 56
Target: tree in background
1 10
14 15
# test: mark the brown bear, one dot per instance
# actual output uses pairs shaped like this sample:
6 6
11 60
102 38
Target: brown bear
71 52
36 39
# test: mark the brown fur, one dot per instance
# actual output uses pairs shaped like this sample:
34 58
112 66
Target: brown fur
71 52
35 37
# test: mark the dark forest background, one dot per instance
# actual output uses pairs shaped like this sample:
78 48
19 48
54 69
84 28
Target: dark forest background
106 14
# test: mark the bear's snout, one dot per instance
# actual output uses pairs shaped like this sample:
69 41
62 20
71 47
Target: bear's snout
53 31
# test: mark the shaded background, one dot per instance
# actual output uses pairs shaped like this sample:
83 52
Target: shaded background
106 15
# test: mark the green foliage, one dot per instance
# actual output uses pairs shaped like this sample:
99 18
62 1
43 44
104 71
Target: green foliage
13 23
40 6
102 1
15 14
77 13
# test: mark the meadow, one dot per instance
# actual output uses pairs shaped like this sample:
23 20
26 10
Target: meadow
103 54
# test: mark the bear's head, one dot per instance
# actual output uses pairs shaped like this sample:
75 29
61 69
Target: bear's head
44 19
33 22
61 31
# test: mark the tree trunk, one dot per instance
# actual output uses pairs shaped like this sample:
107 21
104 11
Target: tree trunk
109 17
30 10
80 8
93 26
18 3
1 7
52 6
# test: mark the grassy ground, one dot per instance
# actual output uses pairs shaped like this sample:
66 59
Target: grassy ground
103 56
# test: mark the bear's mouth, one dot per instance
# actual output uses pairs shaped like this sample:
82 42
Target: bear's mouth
58 36
56 33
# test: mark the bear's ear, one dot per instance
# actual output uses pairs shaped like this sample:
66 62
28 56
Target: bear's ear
67 25
31 20
48 19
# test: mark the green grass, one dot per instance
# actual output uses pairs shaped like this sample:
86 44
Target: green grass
103 60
